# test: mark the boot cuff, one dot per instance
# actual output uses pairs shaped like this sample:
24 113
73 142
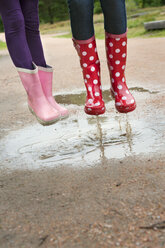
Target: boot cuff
27 70
46 69
84 41
108 35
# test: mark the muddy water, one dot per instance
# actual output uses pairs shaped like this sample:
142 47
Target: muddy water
83 140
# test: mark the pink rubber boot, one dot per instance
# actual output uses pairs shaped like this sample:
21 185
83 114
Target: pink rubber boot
37 102
46 79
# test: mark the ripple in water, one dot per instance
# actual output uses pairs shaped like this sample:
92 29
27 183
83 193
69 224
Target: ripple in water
83 140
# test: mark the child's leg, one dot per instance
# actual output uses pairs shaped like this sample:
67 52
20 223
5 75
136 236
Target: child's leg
81 14
14 25
31 16
115 20
116 47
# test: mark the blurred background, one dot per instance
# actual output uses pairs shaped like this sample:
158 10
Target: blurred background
54 18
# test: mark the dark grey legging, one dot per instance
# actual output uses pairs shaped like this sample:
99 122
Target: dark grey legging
81 14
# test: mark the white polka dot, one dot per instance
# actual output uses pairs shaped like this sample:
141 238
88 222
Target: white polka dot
119 87
111 68
100 87
90 100
111 44
85 65
97 61
98 73
113 80
87 76
92 68
117 62
118 104
111 56
117 39
117 74
132 101
90 45
97 104
124 55
117 50
95 50
97 94
103 108
123 67
85 81
124 98
124 43
127 92
95 81
91 58
90 88
89 109
84 53
123 79
115 93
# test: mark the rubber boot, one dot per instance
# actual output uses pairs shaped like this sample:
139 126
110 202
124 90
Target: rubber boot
37 102
46 79
116 49
90 65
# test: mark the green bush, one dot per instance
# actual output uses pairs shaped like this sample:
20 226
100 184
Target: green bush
149 3
1 26
97 9
131 5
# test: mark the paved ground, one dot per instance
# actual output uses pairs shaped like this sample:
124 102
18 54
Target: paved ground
116 201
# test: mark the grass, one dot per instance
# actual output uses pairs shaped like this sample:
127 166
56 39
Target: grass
58 27
2 45
135 25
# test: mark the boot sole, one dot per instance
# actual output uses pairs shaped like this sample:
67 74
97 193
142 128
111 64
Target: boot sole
64 117
43 123
94 111
125 111
121 110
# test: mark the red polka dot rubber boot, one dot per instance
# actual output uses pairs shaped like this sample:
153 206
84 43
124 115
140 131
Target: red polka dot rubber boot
90 65
116 49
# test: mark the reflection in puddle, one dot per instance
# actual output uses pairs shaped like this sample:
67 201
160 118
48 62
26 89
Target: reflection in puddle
78 98
83 140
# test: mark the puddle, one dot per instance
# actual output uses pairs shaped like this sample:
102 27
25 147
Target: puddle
78 98
83 140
